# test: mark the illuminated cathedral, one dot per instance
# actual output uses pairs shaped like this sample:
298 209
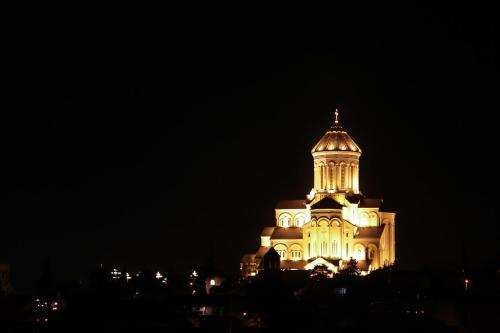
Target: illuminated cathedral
334 223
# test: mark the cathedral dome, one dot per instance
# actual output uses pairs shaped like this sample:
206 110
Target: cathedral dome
336 139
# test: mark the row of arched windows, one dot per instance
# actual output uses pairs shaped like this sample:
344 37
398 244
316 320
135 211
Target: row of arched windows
344 172
285 220
368 219
292 253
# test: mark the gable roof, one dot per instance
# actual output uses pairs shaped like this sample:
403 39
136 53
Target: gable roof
262 251
370 232
291 204
327 203
287 233
272 252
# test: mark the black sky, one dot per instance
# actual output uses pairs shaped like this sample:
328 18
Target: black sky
147 141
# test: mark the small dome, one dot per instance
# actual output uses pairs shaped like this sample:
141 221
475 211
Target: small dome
336 139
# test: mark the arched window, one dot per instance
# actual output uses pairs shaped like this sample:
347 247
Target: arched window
282 251
363 219
335 248
284 220
322 179
373 219
330 173
296 252
299 220
359 252
371 252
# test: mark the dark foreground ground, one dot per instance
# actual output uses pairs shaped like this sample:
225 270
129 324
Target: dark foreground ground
385 301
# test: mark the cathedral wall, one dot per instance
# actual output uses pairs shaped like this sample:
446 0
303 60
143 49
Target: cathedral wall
389 219
328 237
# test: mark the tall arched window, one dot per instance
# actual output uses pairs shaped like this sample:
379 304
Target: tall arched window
322 179
296 252
363 219
359 252
331 175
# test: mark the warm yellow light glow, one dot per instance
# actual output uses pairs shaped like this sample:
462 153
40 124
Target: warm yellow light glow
311 194
330 231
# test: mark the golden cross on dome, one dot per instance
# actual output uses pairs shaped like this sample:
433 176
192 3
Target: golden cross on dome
336 116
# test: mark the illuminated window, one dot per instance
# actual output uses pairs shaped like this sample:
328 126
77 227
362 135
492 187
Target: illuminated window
282 251
342 176
334 248
331 176
284 220
282 254
322 171
359 252
300 219
296 254
371 253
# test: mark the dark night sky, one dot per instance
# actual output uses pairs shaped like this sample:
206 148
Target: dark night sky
144 141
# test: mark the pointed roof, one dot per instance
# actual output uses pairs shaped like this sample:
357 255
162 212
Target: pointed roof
336 139
327 203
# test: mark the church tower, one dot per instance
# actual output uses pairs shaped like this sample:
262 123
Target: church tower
336 164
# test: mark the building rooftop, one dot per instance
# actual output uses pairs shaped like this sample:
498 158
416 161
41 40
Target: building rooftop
267 231
327 203
287 233
370 203
336 139
370 232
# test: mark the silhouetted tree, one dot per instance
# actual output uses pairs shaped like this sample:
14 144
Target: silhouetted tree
351 269
320 272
